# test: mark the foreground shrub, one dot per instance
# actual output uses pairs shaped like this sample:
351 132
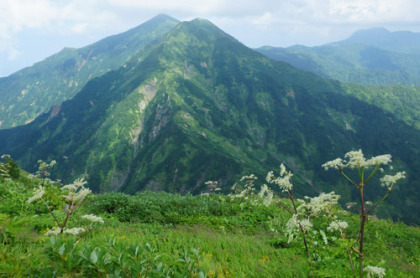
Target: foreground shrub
149 207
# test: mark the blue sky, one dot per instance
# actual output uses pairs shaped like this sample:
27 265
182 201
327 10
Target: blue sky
31 30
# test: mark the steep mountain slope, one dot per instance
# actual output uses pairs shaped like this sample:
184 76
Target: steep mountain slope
374 56
402 101
201 106
34 90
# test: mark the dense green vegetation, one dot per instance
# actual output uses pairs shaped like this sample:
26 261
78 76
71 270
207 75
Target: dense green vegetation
401 101
32 91
169 235
201 106
371 57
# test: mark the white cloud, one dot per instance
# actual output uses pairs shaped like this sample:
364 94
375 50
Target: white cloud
51 17
18 14
83 16
373 11
79 27
276 22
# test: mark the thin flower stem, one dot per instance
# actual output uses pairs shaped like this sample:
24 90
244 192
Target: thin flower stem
67 217
360 174
355 250
304 241
351 261
300 226
349 179
362 231
284 207
56 221
315 258
363 175
371 174
343 236
293 201
381 200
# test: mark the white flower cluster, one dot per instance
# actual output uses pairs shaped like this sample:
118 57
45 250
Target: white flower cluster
388 181
53 232
384 159
292 226
93 218
5 156
337 226
76 191
250 177
245 191
263 190
356 159
212 185
336 163
74 231
323 203
43 168
324 236
283 181
282 169
270 176
56 231
373 271
268 198
306 225
266 195
210 182
39 192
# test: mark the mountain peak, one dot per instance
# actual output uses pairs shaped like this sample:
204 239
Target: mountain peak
154 23
203 29
159 19
370 34
202 21
70 69
201 24
163 17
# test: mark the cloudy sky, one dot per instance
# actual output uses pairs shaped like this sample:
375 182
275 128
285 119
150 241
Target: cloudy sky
31 30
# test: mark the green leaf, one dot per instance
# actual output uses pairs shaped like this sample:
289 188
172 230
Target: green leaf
62 249
93 257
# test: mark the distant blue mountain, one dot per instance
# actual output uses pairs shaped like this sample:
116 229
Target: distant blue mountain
374 56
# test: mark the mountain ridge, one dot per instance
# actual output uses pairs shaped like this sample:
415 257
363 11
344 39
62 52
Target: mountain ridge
34 90
399 41
367 57
202 106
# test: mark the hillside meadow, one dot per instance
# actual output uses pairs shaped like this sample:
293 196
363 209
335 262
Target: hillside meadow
152 234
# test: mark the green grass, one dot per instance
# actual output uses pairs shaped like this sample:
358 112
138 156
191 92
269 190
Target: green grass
169 235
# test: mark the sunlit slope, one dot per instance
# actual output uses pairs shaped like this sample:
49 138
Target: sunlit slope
34 90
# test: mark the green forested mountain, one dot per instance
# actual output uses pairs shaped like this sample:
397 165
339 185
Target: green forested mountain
201 106
402 101
34 90
375 57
